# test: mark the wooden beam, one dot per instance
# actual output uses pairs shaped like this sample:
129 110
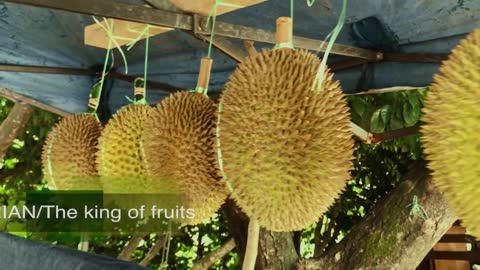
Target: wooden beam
227 47
388 90
394 134
138 13
415 57
353 62
116 10
84 72
260 35
204 7
15 97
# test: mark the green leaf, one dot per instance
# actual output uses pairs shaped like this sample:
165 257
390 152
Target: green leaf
413 99
396 123
411 115
377 124
359 105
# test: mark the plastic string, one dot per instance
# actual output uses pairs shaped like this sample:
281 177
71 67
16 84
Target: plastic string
219 149
141 98
213 18
331 37
108 28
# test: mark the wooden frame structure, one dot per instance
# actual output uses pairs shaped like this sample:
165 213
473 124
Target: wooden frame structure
196 25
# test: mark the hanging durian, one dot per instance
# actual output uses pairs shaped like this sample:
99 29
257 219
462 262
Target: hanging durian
120 157
68 156
178 138
284 140
451 130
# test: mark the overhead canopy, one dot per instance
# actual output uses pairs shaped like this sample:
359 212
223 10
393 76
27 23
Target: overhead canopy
47 37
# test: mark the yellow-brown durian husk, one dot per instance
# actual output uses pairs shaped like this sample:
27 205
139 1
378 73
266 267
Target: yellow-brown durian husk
451 130
179 138
68 156
121 157
286 147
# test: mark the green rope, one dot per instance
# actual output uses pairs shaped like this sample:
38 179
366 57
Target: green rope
212 17
288 45
97 88
331 41
111 38
219 149
141 99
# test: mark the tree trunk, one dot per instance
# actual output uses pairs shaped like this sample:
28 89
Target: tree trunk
13 125
276 251
391 236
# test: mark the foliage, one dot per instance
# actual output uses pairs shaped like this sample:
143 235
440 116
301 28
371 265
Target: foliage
377 168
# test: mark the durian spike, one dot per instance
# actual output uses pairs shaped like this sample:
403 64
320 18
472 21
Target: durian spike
204 74
252 245
284 30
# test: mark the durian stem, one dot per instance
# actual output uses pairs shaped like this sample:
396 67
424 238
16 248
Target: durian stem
252 245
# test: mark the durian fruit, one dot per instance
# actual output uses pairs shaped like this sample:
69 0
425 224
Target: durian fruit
286 146
68 156
178 138
120 156
451 130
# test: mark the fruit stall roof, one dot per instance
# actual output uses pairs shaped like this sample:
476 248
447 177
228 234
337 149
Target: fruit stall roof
34 35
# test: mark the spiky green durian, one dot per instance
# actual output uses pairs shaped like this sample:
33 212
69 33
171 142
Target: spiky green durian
121 157
68 156
179 137
286 147
451 130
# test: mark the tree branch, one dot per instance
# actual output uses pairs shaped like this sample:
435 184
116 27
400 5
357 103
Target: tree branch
13 125
132 245
390 237
154 250
207 261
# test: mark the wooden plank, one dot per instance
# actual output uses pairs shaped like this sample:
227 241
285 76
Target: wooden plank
452 247
204 7
458 238
15 97
123 31
116 10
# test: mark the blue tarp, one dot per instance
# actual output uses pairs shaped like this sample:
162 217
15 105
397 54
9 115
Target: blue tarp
39 36
22 254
